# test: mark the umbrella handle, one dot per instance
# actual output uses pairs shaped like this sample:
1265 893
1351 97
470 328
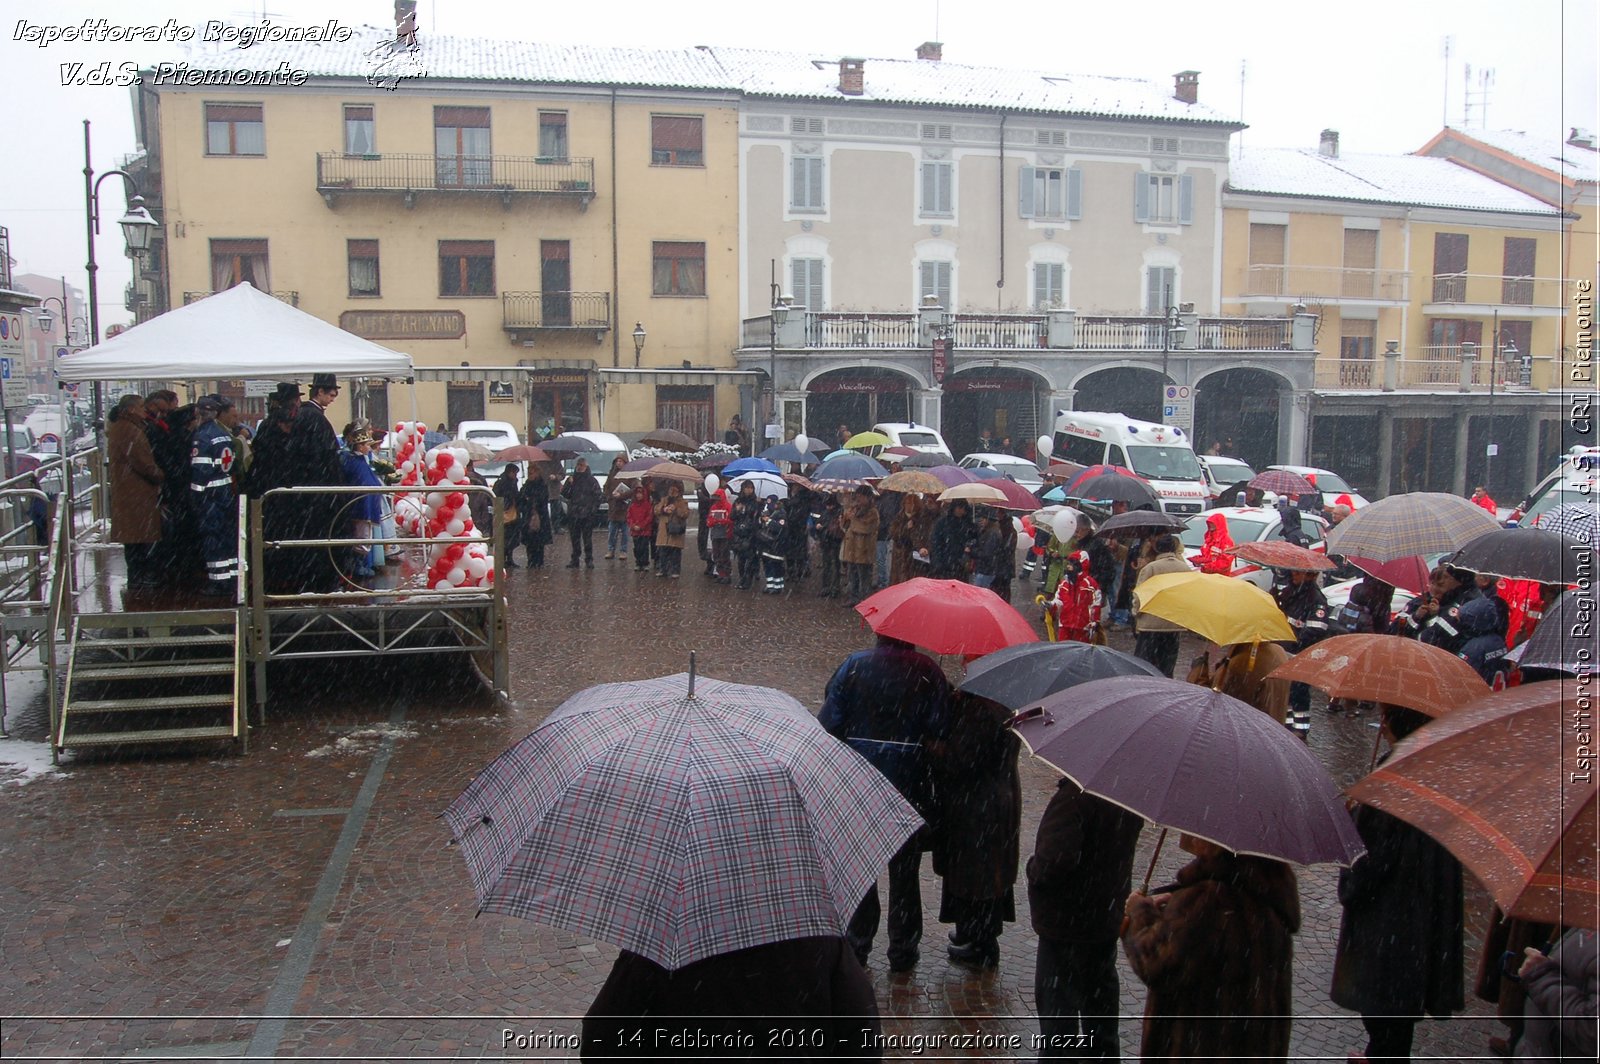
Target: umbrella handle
1377 740
1148 872
691 674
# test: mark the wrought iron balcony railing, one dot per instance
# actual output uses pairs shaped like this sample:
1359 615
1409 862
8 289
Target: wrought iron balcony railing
291 298
339 173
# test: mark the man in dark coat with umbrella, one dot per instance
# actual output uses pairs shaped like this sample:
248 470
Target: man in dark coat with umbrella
313 454
1400 952
886 702
1079 876
584 498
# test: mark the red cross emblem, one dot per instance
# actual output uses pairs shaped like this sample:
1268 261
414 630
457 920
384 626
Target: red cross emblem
227 459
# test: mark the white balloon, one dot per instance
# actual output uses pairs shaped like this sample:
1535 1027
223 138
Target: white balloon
476 567
441 585
1065 524
457 576
800 442
713 482
1046 445
455 526
435 499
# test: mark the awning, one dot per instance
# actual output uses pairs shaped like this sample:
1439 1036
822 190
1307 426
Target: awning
679 376
477 374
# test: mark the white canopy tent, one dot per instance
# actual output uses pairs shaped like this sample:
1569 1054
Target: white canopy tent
236 334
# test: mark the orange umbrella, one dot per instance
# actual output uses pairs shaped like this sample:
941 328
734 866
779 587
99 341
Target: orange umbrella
1493 783
1383 668
1281 554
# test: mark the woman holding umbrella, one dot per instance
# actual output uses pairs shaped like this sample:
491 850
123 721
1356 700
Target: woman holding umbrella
505 489
746 514
533 515
672 522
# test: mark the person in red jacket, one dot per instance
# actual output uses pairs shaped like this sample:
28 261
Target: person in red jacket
719 521
1480 496
1077 602
1214 556
642 526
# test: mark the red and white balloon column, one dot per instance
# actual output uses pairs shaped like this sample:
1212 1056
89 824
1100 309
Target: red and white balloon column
465 562
408 460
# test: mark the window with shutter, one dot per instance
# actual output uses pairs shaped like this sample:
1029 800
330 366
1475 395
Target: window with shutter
235 129
466 268
938 192
935 281
1161 289
362 258
1049 285
1041 193
461 147
805 183
677 140
1163 199
805 283
1074 194
359 129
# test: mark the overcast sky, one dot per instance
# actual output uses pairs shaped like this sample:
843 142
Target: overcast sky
1372 69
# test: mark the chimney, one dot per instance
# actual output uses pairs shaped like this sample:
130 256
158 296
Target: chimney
852 76
933 50
1186 86
1330 144
405 20
1581 138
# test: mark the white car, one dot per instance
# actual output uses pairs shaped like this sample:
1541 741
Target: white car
1332 485
1250 524
1010 466
1222 473
496 436
917 437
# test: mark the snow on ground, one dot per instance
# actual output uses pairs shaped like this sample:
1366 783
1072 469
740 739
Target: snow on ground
22 762
363 739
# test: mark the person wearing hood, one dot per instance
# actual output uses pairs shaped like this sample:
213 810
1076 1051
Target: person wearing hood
1561 989
952 535
584 498
745 511
1485 648
1077 603
215 495
719 530
1214 556
1216 950
1400 951
1306 609
1435 618
641 526
769 541
1291 529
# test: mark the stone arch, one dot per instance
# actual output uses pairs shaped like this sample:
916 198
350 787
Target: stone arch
1003 401
858 395
1126 387
1242 403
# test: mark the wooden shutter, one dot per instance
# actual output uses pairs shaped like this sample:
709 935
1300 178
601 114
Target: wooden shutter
1074 194
674 133
233 112
461 117
1025 193
1141 197
1186 200
1449 253
463 249
1267 244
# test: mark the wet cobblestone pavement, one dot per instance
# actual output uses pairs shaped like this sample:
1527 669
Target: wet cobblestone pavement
301 901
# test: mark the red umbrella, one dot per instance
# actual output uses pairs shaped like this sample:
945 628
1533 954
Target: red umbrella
1090 472
1017 497
1281 554
1410 572
946 617
903 452
1283 482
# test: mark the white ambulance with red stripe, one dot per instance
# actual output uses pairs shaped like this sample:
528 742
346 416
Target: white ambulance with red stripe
1162 454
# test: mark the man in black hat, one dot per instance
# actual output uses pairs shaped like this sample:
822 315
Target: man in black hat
213 457
313 453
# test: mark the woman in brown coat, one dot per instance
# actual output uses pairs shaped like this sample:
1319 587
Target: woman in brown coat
1216 950
907 534
859 552
672 511
135 491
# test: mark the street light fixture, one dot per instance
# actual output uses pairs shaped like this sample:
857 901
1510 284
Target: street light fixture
638 342
781 303
1506 353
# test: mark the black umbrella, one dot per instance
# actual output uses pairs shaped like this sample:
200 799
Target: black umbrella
923 460
788 452
567 445
1115 487
1566 640
1021 675
1149 519
1520 554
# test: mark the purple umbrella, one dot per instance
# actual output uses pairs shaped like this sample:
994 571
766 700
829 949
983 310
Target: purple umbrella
1195 760
950 475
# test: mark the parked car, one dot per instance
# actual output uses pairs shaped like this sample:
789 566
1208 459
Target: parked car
1250 524
1575 479
1222 473
917 437
495 435
1332 485
1010 466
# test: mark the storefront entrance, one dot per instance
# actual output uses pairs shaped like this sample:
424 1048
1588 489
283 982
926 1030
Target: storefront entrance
557 402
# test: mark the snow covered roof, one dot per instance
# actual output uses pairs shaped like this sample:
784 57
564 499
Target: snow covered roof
750 72
1545 150
1408 180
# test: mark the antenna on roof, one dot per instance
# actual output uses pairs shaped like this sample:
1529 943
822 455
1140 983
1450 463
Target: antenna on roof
936 21
1243 69
1444 110
1478 97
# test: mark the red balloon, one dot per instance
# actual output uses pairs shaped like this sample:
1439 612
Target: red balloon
446 459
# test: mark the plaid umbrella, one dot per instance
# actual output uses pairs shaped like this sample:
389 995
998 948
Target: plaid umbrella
1381 668
1575 520
1283 482
679 825
1492 783
1418 522
1520 554
1566 640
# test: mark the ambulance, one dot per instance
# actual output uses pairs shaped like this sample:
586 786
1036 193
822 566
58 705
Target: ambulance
1162 454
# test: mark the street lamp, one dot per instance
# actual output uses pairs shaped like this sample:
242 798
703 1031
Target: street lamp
1171 332
1506 352
780 317
638 342
138 228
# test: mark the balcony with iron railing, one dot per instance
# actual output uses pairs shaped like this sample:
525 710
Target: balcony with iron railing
508 176
530 312
291 298
1459 292
1050 331
1441 368
1328 284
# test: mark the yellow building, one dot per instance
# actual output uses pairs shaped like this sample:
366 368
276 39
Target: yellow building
516 223
1440 310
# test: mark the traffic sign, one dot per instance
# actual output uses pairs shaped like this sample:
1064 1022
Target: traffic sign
15 386
1177 407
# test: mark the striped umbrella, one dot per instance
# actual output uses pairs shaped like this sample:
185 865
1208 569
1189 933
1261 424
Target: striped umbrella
1283 482
636 811
1575 520
1417 522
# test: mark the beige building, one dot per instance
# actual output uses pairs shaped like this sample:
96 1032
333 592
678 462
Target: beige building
514 222
1439 298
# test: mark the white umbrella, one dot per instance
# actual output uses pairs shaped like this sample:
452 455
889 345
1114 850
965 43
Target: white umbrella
766 484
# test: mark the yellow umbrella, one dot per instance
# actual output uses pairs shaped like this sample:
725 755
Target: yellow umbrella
1220 608
861 441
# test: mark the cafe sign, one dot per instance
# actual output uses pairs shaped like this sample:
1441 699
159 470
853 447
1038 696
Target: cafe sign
405 324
